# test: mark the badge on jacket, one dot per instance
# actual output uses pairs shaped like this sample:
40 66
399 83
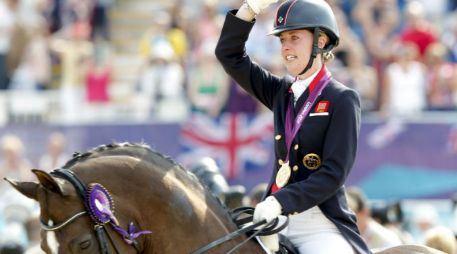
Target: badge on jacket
322 107
312 161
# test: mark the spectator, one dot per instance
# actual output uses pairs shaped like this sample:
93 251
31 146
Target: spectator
350 66
441 77
34 67
449 34
441 238
74 53
418 29
375 235
206 25
257 193
7 21
161 76
33 228
176 32
404 83
208 83
15 210
54 15
55 156
11 248
13 163
100 20
378 20
20 37
424 217
235 197
207 171
391 216
98 79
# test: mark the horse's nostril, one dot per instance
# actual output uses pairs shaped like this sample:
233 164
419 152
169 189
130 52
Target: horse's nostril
84 245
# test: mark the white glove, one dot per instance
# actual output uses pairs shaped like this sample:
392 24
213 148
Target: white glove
268 210
258 5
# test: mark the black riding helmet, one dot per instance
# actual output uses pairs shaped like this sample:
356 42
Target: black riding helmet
313 15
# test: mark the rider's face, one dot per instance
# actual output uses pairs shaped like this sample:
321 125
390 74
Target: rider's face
296 48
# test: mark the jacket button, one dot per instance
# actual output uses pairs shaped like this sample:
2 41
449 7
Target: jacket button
280 162
278 137
296 147
295 168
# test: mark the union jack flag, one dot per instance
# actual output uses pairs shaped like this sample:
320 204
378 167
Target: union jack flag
236 141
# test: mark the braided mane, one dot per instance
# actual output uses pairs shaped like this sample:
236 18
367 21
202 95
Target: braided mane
137 150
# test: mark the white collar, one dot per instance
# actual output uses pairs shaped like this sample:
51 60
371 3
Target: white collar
299 86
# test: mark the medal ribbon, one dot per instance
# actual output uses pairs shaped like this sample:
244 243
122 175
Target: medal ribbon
319 83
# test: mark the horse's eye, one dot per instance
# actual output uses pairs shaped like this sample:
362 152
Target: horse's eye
84 245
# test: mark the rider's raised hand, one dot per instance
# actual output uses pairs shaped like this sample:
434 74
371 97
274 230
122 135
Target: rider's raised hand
258 6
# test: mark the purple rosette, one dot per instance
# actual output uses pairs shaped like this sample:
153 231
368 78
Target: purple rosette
101 210
100 204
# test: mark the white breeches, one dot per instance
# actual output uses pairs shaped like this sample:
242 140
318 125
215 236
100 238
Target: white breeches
313 233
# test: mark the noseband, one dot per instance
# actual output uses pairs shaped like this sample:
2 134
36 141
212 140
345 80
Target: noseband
100 215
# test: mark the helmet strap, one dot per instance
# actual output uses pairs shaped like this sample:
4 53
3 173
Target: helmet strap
314 52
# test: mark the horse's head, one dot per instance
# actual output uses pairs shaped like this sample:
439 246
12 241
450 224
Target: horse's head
77 213
61 208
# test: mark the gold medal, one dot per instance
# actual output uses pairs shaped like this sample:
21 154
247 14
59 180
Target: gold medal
283 175
312 161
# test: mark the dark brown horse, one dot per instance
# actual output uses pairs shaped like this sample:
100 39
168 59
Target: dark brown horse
148 189
171 210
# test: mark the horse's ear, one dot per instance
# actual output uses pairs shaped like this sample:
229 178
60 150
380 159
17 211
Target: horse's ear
28 189
47 181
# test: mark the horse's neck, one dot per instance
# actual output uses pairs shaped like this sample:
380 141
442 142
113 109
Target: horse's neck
172 207
185 213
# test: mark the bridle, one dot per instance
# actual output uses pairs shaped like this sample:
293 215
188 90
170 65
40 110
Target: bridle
45 227
100 228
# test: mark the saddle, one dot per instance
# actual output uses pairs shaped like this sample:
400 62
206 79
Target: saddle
286 246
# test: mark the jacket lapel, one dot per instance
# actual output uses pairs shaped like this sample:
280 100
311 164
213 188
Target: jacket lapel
301 101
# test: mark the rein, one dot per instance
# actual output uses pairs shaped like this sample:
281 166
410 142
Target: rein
260 228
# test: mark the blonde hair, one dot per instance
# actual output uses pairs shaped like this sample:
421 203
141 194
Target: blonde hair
441 238
327 56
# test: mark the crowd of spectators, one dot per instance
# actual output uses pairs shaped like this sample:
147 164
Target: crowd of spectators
400 55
